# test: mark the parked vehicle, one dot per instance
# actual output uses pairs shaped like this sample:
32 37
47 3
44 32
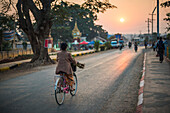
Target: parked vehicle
114 44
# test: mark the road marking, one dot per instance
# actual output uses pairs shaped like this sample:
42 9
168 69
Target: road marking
143 74
140 99
142 83
4 69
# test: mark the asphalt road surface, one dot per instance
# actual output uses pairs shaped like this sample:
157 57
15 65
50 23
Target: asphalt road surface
109 83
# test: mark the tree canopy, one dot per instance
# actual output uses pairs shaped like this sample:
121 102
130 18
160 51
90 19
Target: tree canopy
167 4
61 28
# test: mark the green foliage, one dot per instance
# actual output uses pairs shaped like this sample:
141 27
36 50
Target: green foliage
96 45
102 47
96 6
165 5
168 36
6 46
6 22
146 39
61 32
24 45
107 45
64 23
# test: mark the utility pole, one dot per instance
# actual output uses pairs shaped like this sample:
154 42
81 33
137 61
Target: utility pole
148 25
157 18
152 20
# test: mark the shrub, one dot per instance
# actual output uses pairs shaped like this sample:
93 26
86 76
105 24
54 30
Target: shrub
107 45
96 45
6 46
102 47
168 36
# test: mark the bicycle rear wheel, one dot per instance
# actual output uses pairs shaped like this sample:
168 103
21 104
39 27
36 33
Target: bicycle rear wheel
73 92
59 93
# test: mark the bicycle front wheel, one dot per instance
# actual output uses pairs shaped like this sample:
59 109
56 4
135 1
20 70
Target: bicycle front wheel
73 92
59 93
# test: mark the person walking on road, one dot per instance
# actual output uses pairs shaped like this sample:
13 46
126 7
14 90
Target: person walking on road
136 46
146 45
161 48
153 46
130 44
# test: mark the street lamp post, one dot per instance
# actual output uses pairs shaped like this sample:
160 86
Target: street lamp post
157 18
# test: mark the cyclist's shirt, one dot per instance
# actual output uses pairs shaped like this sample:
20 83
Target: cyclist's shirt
64 60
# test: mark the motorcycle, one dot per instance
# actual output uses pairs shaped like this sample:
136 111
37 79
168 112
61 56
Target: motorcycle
120 47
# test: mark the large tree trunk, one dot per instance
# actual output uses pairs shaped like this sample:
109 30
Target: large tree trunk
35 47
43 56
36 35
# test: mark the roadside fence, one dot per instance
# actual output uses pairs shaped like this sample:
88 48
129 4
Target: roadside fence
14 53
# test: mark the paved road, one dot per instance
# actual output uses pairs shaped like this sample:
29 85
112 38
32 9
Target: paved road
99 80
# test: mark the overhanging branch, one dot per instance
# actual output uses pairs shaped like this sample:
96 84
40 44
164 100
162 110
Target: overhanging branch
22 21
35 11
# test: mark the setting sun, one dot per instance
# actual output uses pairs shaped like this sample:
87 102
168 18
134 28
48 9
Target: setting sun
122 20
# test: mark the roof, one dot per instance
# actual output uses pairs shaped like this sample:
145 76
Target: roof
100 38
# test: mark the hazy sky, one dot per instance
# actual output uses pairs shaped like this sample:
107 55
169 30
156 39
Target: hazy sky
134 12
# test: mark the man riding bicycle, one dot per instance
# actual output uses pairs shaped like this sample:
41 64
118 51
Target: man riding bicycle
64 60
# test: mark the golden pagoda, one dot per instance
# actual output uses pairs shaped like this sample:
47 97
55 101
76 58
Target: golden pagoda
76 32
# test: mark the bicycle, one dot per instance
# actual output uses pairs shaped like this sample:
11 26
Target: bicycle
61 87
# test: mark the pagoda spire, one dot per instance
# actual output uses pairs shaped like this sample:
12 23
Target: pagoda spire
76 32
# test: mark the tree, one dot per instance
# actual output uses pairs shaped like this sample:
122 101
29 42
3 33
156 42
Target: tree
96 45
36 19
84 18
7 23
168 36
167 4
108 45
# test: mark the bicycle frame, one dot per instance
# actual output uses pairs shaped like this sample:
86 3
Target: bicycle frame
61 87
56 80
66 88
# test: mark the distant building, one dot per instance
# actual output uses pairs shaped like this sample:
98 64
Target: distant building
98 38
76 33
83 39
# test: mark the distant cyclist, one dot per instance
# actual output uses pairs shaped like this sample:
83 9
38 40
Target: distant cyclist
121 46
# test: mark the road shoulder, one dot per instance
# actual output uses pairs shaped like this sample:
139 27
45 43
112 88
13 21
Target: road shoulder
125 98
